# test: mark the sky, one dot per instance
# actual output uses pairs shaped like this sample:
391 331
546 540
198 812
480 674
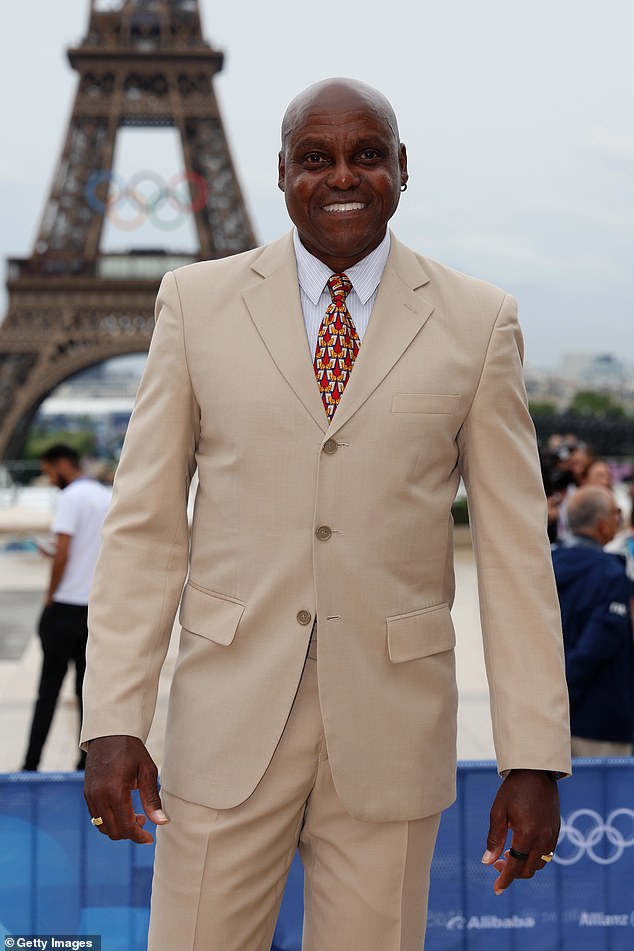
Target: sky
518 119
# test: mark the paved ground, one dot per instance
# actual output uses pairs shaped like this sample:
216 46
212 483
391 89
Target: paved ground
23 576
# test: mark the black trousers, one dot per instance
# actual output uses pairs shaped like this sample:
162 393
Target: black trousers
63 631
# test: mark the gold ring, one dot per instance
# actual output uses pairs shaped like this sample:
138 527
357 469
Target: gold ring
97 821
548 857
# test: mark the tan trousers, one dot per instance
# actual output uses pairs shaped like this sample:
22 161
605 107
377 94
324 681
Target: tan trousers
219 874
582 747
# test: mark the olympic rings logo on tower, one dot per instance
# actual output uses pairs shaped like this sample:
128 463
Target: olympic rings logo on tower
146 197
585 832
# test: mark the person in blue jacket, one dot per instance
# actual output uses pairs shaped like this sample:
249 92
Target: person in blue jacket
595 597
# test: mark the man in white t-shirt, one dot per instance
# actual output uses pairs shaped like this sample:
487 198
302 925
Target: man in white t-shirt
79 513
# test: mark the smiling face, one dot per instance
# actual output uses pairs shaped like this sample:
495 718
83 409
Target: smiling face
341 169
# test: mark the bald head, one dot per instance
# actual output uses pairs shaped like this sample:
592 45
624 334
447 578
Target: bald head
592 511
342 169
334 96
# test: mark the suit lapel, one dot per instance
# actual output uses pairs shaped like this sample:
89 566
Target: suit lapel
276 311
397 316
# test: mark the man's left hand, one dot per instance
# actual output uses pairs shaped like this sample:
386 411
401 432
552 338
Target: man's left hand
527 803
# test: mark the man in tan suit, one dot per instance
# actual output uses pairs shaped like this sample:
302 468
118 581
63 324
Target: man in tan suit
314 697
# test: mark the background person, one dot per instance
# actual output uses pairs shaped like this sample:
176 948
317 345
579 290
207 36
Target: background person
314 698
575 459
595 595
80 508
597 472
556 479
623 542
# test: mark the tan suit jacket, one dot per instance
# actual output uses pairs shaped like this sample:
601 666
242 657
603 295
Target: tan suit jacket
348 522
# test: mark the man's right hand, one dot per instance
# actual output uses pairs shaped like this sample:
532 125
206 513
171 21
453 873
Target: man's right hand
115 765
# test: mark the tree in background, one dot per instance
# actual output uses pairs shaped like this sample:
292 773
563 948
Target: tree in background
594 403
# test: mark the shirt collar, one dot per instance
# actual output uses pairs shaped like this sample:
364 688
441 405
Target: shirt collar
365 276
582 541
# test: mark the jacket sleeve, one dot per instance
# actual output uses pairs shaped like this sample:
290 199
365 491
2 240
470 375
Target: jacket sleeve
145 542
605 633
519 610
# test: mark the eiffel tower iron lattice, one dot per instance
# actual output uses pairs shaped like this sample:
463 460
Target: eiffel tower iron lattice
142 63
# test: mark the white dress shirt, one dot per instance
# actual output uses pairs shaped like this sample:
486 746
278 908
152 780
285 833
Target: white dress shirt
313 275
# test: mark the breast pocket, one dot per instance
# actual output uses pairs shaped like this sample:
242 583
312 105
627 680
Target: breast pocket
441 404
420 633
210 614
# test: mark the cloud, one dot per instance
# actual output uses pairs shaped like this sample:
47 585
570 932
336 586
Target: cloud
612 144
12 172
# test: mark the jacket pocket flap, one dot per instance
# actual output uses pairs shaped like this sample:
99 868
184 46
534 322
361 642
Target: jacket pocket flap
212 615
442 404
420 633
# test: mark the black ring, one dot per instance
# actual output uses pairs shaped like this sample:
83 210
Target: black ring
520 856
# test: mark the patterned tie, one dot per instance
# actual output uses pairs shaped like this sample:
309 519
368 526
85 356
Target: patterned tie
337 345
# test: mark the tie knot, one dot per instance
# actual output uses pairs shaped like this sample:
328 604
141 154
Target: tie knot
339 286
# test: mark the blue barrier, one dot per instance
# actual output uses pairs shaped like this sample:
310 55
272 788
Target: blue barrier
58 876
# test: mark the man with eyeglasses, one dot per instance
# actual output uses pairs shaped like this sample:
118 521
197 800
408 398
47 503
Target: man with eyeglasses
594 595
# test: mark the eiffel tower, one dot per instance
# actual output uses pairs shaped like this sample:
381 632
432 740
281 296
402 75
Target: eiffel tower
142 63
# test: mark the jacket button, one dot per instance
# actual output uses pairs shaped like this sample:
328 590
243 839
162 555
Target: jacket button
330 446
323 533
304 617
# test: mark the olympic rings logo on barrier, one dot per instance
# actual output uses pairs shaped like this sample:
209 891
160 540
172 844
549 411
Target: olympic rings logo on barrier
146 196
585 831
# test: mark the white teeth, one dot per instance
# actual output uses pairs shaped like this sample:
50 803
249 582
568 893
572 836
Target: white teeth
345 206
